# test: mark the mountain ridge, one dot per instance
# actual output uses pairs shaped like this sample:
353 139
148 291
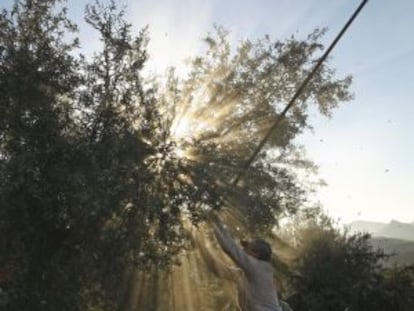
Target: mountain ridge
394 229
395 238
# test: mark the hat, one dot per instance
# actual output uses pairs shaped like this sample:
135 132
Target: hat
259 246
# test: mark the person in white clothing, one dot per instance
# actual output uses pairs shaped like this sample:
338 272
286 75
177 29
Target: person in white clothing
258 291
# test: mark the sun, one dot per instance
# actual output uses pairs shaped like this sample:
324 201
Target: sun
181 128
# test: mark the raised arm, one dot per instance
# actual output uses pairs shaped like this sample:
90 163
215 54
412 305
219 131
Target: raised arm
229 246
216 266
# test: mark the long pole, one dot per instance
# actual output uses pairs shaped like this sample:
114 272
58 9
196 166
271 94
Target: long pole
298 92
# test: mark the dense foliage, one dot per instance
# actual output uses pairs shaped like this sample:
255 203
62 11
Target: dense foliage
335 270
99 166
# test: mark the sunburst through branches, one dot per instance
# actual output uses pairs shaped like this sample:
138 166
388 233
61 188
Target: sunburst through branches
108 171
211 121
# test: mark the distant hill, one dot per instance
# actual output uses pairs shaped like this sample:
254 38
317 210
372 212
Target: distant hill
402 251
397 230
366 226
394 238
393 230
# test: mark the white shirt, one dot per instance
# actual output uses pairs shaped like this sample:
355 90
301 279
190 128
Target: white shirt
260 291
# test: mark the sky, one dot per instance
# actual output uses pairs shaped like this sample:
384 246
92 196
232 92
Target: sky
365 150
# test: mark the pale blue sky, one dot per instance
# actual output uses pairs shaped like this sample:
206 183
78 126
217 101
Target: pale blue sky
365 151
